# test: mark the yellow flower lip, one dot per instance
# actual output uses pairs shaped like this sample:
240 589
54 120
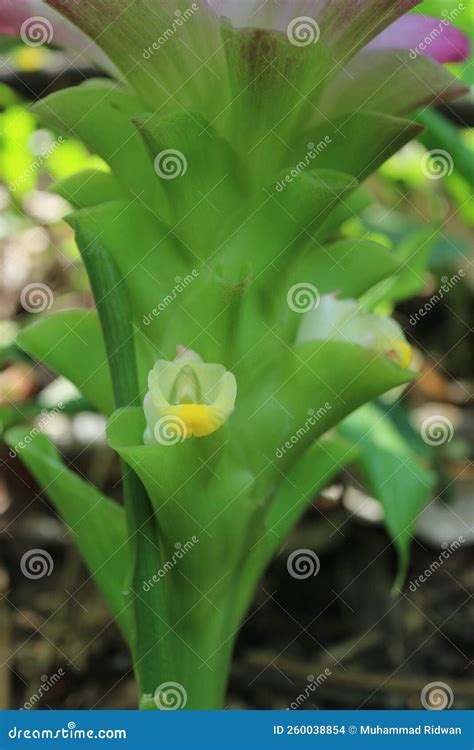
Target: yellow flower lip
198 420
401 352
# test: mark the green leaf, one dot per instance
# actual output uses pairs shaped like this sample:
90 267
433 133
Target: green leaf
197 171
152 263
325 378
377 136
96 522
315 470
413 254
100 114
71 343
394 475
350 267
89 188
442 134
388 81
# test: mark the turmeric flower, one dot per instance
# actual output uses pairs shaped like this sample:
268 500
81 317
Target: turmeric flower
187 397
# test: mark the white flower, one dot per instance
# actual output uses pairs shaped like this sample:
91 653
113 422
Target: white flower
187 397
342 320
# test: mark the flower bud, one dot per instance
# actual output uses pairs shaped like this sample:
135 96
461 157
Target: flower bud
342 320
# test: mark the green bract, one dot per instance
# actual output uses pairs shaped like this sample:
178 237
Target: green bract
233 157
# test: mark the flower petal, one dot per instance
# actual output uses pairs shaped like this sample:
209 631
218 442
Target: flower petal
426 35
